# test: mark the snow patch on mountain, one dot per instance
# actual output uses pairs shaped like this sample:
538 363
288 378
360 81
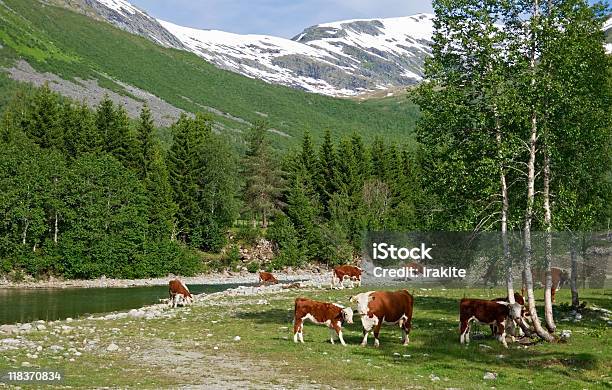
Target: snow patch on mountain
121 6
340 58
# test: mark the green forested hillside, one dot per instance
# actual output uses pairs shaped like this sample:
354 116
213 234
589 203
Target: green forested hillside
56 40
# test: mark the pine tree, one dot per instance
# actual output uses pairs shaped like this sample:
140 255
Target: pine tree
44 119
80 135
262 175
181 159
161 207
326 177
144 142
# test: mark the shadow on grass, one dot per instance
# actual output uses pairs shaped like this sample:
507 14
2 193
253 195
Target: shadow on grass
268 316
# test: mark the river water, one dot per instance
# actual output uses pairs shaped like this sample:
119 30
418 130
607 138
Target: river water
26 305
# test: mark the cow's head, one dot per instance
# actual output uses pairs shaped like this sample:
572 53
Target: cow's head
564 277
515 310
347 315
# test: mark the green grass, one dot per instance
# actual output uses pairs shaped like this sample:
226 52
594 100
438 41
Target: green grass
60 41
181 351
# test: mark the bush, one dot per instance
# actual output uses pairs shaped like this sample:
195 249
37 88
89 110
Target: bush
334 248
209 237
166 257
232 258
253 267
284 235
249 234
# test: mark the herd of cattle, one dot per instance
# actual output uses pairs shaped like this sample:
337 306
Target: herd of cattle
376 308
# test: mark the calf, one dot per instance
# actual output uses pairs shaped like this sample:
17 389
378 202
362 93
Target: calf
266 278
324 313
384 307
342 272
518 298
487 312
179 293
559 278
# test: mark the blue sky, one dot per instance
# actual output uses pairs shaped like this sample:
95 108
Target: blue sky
284 18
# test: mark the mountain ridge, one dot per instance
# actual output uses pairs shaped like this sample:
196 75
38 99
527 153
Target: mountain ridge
343 58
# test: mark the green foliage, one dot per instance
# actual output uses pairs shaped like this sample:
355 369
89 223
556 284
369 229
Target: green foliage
262 175
253 267
354 197
78 212
248 233
204 178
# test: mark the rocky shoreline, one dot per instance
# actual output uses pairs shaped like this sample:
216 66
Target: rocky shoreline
243 277
159 310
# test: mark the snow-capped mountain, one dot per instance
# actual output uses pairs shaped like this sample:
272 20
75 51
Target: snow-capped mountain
127 17
341 58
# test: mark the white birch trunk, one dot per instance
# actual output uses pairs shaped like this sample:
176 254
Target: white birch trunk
548 309
574 275
527 255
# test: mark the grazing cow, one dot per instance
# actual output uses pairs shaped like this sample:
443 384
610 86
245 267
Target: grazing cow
342 272
559 278
324 313
179 293
266 278
384 307
518 298
487 312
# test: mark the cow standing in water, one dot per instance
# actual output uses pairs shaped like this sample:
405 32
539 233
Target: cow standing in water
342 272
266 278
323 313
179 293
384 307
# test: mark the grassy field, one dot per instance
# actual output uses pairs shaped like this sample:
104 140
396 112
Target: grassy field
198 347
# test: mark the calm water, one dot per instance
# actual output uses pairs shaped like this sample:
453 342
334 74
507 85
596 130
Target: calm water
26 305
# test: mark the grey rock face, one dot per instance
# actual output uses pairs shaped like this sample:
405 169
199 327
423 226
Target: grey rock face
139 23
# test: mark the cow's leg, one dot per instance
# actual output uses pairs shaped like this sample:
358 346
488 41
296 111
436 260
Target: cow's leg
364 342
368 323
298 324
376 333
332 335
337 329
464 331
501 332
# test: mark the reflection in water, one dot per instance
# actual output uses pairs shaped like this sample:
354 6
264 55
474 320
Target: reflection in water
26 305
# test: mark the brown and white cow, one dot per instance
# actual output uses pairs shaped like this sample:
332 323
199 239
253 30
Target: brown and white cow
384 307
325 313
266 278
518 298
559 278
342 272
179 293
486 312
